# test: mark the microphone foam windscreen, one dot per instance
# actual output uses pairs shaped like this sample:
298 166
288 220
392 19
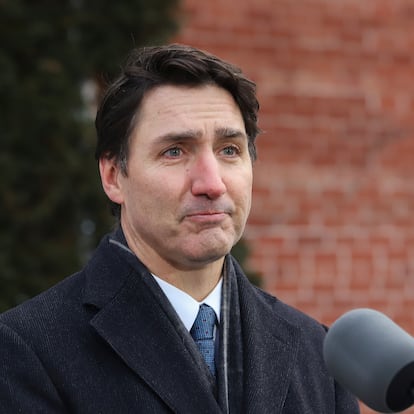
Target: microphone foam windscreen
371 356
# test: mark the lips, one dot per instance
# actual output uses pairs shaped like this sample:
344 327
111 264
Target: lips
209 215
209 219
207 212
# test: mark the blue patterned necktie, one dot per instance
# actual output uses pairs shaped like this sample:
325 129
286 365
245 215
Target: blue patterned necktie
203 334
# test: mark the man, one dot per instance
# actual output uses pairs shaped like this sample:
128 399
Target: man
176 143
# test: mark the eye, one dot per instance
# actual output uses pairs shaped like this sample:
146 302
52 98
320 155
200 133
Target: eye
173 152
230 151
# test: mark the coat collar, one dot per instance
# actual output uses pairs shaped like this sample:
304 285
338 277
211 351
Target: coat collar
136 320
270 347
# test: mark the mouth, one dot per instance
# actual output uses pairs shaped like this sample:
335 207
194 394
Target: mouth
207 217
205 213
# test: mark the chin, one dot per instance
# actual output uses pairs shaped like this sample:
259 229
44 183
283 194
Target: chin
208 250
209 256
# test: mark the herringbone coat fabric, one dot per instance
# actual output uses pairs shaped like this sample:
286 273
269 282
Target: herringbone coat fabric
106 340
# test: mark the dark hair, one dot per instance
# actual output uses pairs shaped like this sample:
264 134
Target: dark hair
174 64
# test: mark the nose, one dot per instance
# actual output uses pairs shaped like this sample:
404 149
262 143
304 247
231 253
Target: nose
206 176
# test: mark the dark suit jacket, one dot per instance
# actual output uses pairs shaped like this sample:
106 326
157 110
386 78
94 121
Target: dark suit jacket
106 340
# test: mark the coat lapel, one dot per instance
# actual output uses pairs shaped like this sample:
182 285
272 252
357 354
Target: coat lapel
146 334
270 346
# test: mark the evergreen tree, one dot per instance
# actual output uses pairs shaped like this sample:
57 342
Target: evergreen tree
52 54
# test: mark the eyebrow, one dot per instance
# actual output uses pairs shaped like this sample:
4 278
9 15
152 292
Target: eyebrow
227 132
190 134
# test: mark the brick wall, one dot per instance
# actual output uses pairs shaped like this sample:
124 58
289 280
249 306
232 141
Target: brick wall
332 224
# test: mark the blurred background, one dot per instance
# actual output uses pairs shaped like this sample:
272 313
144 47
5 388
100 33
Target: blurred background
332 223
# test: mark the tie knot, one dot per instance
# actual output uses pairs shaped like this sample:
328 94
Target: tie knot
203 327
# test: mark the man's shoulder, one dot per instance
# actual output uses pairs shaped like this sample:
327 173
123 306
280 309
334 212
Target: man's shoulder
74 300
53 303
287 311
271 306
270 310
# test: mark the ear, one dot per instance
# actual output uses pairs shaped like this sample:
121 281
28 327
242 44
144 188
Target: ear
110 174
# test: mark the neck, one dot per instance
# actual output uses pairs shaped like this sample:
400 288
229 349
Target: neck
196 283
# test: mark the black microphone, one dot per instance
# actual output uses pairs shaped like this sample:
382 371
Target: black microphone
371 356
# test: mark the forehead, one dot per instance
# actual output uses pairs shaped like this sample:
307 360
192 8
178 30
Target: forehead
170 104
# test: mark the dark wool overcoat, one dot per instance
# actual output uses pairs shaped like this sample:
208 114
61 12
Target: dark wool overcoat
106 340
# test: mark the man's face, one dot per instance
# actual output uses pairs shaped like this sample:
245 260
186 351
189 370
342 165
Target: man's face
187 193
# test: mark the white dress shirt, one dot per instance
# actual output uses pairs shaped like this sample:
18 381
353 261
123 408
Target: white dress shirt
186 306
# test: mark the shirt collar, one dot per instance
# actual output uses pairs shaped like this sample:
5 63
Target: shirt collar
186 306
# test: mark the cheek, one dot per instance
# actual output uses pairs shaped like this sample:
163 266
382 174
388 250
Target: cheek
242 198
157 196
243 187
